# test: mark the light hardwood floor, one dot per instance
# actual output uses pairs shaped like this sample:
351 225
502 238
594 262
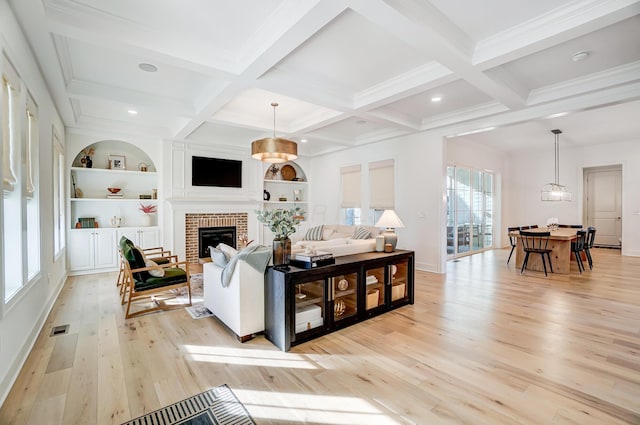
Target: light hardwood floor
482 344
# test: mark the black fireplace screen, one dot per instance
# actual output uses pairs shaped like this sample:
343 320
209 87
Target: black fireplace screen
212 236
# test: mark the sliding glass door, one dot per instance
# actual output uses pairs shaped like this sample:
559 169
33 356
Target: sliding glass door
469 210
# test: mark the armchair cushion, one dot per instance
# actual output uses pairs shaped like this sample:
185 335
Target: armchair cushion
136 261
172 275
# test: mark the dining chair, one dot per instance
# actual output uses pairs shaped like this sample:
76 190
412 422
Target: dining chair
513 240
591 237
577 247
536 243
570 226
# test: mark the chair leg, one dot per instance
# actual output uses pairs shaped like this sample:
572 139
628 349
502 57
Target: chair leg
550 264
580 260
544 264
589 259
509 259
524 262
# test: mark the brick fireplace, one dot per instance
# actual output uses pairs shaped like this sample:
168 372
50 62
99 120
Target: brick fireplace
194 221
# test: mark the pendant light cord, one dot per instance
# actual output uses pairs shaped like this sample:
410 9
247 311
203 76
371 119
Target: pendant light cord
557 155
275 105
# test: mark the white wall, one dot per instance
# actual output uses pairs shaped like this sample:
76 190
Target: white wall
530 171
419 191
22 319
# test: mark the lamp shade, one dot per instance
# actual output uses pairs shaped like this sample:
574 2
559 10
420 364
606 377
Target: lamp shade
390 220
274 149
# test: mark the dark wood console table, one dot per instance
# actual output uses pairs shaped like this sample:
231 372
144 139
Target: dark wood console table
302 304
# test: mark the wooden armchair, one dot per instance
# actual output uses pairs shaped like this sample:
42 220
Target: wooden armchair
145 283
157 254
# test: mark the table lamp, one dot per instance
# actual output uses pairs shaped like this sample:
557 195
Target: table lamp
390 221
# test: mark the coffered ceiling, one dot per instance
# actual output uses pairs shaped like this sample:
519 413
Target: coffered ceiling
345 72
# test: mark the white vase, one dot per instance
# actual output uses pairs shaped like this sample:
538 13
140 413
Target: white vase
146 220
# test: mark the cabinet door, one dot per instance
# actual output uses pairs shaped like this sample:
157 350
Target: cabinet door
375 288
148 237
130 233
399 280
81 250
309 299
106 251
344 293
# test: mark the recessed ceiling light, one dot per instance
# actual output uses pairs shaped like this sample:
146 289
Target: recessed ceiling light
580 56
435 99
147 67
132 112
303 141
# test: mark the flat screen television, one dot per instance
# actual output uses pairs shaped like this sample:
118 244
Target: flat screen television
215 172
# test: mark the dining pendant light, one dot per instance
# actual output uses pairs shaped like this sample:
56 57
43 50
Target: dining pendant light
274 149
555 191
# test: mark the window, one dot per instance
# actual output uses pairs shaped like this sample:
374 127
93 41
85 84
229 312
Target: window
469 210
351 202
20 201
31 189
58 195
12 196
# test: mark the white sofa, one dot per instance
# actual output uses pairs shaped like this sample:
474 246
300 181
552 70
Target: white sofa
336 238
240 306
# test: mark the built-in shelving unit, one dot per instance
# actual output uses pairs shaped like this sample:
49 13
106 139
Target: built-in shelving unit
94 249
292 186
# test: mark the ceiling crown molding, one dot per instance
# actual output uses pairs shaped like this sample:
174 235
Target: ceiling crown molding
576 18
414 81
611 77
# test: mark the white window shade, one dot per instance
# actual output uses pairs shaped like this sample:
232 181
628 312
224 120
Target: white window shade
351 186
382 184
9 134
32 145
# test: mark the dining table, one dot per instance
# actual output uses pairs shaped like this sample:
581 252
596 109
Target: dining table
559 243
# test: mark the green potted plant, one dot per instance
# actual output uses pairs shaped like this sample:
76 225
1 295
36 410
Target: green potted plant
282 223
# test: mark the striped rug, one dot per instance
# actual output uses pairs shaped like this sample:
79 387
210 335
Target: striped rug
217 406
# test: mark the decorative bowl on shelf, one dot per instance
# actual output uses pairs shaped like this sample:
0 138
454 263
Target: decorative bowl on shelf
114 190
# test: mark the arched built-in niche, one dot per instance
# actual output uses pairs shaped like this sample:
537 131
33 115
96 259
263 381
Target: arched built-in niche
134 157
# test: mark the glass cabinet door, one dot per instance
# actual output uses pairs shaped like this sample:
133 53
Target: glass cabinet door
309 299
398 276
345 296
375 287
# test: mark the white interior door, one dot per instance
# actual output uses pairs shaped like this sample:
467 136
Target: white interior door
604 203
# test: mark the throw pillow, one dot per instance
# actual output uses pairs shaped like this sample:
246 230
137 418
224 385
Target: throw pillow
361 233
229 251
157 271
314 233
218 257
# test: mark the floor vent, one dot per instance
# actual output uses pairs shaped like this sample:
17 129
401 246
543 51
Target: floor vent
59 330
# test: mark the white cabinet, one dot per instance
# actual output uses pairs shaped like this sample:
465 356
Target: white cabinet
92 250
144 237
